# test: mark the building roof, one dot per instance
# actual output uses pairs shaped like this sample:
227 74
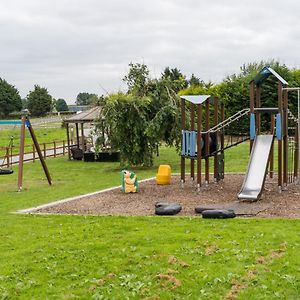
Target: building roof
88 116
265 73
78 108
195 99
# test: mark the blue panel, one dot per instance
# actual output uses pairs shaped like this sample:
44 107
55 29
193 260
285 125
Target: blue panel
252 126
187 136
193 143
278 127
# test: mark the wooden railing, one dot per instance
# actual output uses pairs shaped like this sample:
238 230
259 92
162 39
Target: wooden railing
49 149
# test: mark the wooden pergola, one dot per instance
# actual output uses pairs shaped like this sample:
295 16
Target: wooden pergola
79 120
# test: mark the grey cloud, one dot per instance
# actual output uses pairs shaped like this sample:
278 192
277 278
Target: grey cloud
72 46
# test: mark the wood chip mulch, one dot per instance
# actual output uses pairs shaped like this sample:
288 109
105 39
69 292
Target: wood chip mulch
219 195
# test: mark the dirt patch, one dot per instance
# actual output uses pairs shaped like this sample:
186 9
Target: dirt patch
219 195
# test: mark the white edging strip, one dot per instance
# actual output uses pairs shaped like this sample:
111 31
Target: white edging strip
34 209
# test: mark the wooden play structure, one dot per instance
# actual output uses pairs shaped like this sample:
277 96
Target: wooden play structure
204 137
25 122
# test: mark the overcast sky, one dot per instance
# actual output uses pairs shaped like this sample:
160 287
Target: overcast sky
72 46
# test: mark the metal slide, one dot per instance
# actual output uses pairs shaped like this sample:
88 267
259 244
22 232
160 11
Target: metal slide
257 168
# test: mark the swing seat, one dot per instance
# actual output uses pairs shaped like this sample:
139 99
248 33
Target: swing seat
6 171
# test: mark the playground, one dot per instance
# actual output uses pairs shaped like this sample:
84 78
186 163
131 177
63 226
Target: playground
221 195
110 245
271 176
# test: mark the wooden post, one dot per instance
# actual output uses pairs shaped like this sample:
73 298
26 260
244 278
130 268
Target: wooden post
207 146
45 150
258 105
280 141
271 165
33 153
82 138
296 153
54 144
64 145
199 145
68 141
37 146
7 157
192 128
216 120
77 135
182 163
252 91
21 154
222 134
285 138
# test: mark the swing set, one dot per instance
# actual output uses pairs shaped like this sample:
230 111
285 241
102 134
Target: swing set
24 122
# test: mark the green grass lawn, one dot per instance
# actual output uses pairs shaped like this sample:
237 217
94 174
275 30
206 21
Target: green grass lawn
90 257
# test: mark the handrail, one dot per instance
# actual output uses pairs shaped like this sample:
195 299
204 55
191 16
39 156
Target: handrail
229 120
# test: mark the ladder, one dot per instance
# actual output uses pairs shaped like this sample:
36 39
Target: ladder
229 120
291 116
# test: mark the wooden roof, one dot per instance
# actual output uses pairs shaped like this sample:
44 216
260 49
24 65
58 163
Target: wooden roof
87 116
265 73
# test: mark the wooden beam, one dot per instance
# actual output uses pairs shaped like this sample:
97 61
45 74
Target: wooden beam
82 138
258 105
216 120
68 141
252 92
77 135
207 126
182 163
21 154
271 165
279 91
285 138
37 146
193 128
199 144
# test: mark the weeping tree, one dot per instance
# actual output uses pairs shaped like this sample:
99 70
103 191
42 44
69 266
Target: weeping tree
138 121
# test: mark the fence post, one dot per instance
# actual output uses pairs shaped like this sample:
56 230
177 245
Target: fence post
7 157
44 150
64 145
33 153
54 143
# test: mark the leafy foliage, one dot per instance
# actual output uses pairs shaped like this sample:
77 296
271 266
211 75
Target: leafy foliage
61 105
87 99
127 117
137 79
39 102
10 99
148 114
234 91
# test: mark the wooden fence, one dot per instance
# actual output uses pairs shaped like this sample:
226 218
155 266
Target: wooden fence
49 149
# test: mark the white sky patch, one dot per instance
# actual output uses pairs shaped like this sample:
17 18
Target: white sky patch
72 46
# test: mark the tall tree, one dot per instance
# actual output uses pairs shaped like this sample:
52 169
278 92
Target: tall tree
39 102
194 80
86 98
176 80
137 79
10 99
61 105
